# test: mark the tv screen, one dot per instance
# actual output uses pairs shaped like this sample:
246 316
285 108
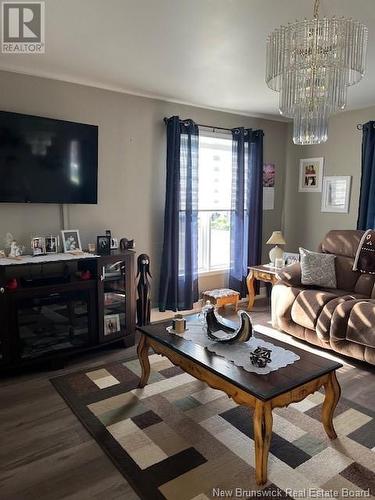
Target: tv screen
47 161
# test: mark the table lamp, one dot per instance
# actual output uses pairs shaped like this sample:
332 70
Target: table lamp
276 252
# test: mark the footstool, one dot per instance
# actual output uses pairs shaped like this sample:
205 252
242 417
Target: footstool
220 297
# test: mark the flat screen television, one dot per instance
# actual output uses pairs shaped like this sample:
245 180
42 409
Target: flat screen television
47 161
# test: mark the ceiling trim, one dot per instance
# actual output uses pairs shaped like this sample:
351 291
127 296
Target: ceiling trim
116 88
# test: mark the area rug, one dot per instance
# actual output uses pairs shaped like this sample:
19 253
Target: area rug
178 439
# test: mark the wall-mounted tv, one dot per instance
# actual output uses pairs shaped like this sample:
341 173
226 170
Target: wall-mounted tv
47 161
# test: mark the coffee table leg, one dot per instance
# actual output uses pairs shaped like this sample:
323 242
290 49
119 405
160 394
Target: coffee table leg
332 395
262 438
142 351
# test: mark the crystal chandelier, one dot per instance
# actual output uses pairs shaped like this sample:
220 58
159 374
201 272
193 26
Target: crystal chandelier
311 63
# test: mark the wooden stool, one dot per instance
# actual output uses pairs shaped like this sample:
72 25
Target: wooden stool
221 297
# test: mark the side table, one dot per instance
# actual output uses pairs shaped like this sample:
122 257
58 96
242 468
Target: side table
260 273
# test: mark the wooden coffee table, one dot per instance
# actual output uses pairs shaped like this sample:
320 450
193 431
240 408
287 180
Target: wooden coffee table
261 392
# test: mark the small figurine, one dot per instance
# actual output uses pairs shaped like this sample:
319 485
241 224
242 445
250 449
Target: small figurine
15 250
260 357
126 244
144 290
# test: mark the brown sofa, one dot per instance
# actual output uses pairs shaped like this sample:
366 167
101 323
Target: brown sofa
341 319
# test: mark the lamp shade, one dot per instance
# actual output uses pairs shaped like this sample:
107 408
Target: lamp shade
276 238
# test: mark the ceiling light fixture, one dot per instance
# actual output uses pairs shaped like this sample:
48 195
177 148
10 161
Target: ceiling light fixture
311 63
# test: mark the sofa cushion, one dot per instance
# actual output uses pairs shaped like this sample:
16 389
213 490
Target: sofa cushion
345 276
365 285
361 324
323 325
290 275
318 269
309 304
342 242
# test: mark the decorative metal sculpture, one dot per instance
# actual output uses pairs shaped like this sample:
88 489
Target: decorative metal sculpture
260 357
241 334
144 290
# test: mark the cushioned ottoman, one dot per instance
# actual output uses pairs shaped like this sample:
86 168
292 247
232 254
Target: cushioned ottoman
220 297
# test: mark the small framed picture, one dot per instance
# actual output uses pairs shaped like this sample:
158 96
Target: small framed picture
111 324
336 194
71 240
311 175
114 243
38 245
291 258
52 244
269 172
103 245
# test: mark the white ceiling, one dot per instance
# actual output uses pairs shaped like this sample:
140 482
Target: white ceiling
209 53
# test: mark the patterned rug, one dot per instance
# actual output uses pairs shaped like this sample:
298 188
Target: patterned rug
178 439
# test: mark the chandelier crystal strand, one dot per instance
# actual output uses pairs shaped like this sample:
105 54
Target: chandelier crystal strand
311 63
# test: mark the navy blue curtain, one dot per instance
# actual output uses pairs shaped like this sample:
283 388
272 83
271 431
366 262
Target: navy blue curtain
247 205
366 214
179 266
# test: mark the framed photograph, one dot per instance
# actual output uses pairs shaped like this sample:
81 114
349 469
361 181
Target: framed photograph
114 243
269 172
111 324
71 240
38 245
52 244
311 175
103 245
291 258
336 194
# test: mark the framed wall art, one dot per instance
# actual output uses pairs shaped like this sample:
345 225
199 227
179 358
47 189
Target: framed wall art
336 194
311 175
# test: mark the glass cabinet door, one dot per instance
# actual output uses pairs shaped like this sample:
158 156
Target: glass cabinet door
113 276
56 322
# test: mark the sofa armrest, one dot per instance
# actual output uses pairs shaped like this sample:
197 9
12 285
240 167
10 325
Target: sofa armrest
290 275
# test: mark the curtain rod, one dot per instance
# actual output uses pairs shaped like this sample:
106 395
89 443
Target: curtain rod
208 126
360 126
215 128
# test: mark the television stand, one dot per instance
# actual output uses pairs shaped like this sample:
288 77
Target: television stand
55 306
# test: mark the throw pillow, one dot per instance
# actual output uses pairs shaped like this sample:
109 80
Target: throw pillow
318 269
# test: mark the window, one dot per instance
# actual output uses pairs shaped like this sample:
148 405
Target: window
214 201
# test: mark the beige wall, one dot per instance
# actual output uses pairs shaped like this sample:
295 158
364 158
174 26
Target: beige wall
131 161
304 223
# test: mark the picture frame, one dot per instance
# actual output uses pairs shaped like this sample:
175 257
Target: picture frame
336 194
111 324
114 243
71 240
38 245
269 174
103 245
311 175
52 244
291 258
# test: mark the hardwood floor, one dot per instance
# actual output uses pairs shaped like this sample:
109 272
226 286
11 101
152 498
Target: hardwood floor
46 454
